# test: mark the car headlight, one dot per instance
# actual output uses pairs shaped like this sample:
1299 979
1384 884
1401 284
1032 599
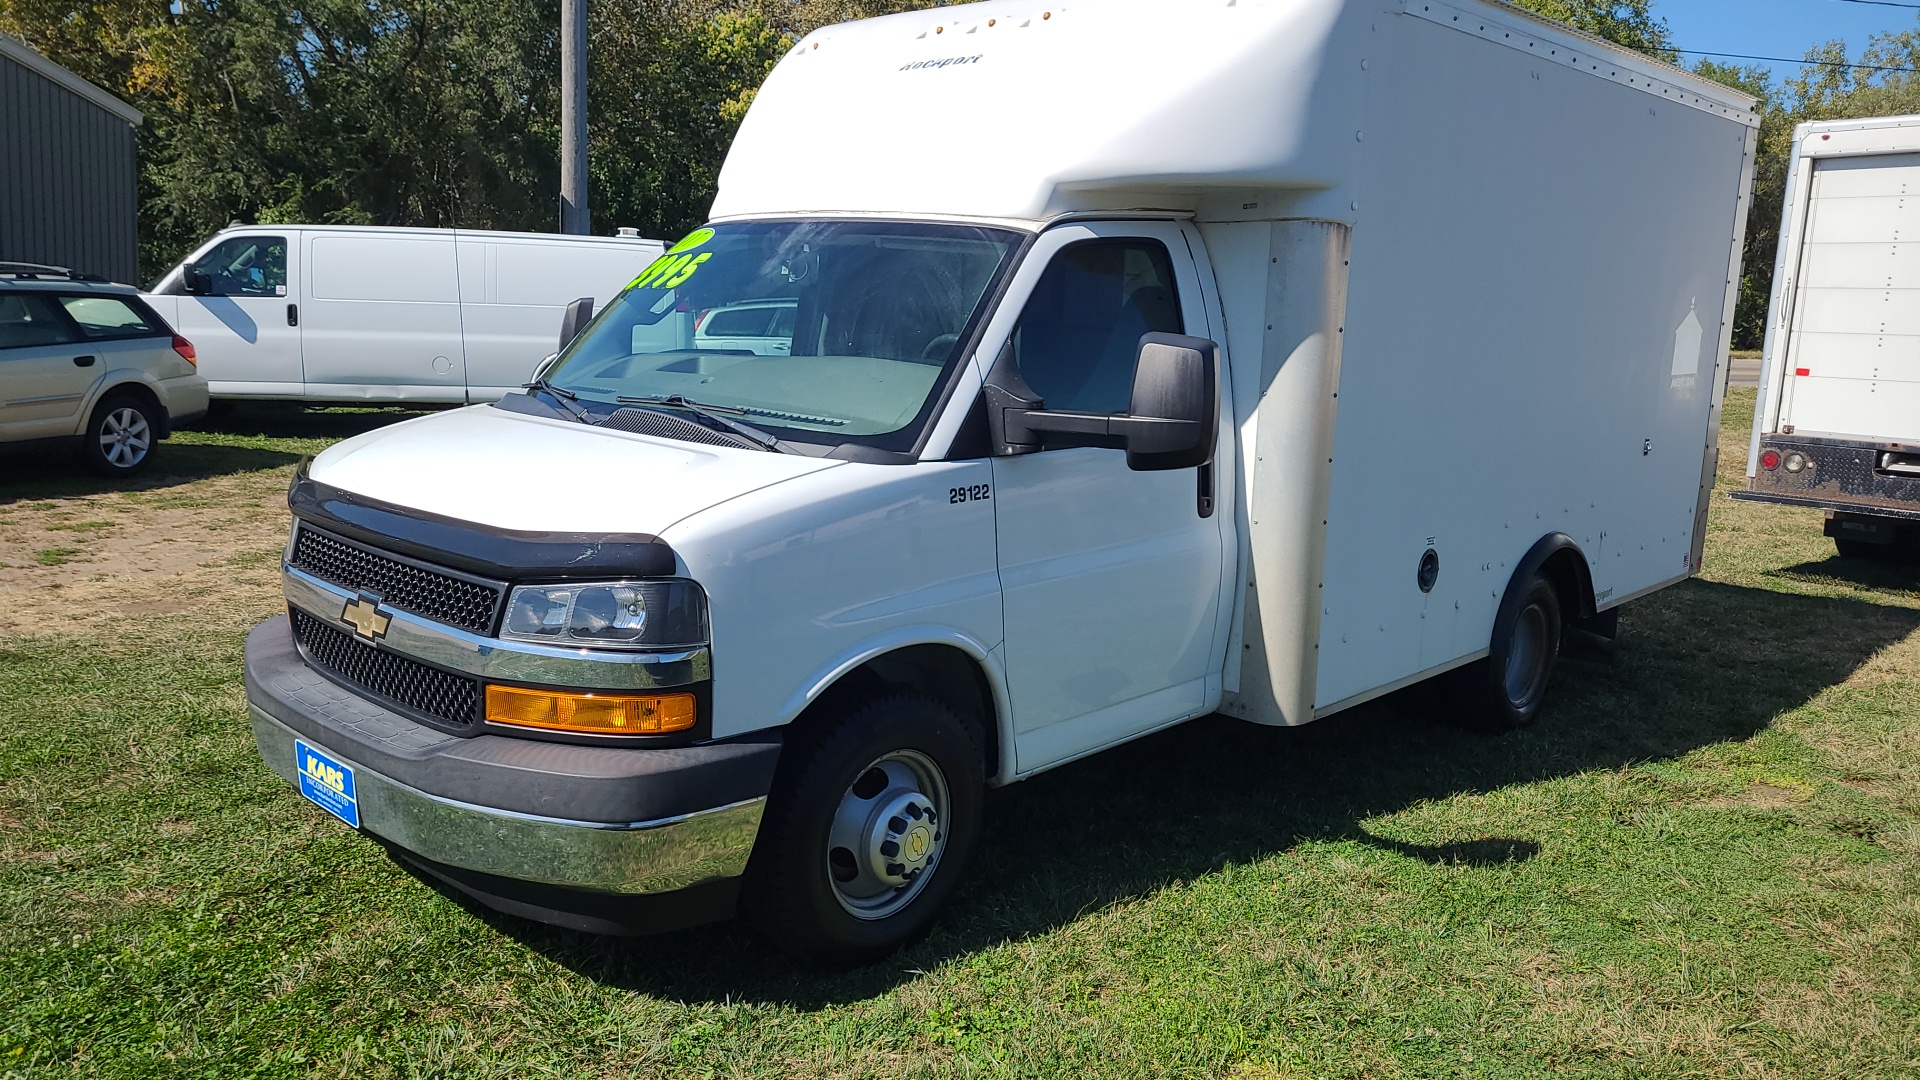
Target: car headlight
609 615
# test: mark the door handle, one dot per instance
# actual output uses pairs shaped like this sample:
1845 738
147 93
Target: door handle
293 314
1206 490
83 361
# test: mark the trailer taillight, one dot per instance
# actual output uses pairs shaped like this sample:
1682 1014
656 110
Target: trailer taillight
185 349
1770 460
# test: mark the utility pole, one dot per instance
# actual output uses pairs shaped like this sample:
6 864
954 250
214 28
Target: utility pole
573 117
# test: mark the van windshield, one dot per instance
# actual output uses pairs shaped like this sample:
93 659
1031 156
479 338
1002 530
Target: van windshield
821 331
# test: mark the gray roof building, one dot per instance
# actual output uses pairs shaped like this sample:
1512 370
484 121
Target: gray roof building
68 174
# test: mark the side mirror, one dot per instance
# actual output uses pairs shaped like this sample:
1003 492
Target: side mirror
1175 418
579 314
1173 422
192 281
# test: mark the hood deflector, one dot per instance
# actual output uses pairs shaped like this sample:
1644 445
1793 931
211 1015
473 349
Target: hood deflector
504 554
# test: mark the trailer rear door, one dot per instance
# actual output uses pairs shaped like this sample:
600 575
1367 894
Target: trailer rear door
1854 354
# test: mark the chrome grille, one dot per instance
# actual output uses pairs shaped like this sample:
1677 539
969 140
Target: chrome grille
452 699
430 594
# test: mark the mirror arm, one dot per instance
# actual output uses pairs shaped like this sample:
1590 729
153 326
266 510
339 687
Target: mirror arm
1009 400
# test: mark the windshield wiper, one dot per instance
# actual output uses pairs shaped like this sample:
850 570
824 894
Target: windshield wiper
712 413
568 400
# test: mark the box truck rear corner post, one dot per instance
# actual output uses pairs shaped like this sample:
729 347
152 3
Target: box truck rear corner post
1837 421
1366 343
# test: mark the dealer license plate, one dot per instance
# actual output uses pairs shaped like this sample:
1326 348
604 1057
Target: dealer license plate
327 781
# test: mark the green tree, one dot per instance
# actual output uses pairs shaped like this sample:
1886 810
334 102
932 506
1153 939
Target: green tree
1624 22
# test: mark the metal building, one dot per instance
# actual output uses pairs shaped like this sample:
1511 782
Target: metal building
68 175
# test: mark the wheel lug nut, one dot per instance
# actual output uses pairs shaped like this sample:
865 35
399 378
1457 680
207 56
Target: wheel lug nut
896 824
896 869
913 812
889 848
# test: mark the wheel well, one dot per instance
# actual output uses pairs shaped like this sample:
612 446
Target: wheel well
938 671
1558 559
1567 570
144 393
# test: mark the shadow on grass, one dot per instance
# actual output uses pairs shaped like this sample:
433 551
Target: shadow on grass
1897 571
247 438
1698 664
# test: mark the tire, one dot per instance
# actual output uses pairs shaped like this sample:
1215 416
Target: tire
121 436
1506 690
1862 551
865 783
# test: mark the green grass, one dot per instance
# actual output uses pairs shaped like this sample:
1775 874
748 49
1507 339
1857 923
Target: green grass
54 556
1705 861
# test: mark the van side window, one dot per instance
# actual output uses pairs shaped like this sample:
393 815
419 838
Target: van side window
247 266
29 319
110 317
1080 332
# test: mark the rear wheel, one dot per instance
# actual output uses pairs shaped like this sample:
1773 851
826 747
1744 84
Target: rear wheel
120 435
1505 691
1861 550
867 830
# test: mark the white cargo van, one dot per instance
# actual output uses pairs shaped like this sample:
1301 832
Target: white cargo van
365 314
1140 359
1837 423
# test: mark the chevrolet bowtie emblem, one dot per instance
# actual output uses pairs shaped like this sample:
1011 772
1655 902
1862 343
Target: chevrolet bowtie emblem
366 618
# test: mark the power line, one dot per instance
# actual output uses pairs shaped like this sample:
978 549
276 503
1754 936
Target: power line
1883 3
1808 63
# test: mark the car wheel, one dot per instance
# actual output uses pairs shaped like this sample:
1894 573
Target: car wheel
1505 690
120 436
867 830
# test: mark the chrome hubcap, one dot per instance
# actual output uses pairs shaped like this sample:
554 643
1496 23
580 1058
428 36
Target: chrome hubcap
125 438
1526 667
887 834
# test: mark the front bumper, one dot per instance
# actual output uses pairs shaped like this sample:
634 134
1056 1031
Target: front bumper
597 820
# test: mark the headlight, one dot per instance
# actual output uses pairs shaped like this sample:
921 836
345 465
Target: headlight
611 615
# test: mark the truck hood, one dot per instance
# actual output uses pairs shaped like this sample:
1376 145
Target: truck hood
529 473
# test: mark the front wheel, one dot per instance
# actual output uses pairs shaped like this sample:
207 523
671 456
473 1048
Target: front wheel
867 830
120 436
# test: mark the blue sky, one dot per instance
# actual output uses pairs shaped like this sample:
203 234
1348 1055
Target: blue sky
1776 27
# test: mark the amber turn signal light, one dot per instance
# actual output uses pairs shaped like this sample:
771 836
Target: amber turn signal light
591 714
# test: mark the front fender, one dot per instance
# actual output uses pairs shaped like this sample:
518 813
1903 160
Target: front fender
839 667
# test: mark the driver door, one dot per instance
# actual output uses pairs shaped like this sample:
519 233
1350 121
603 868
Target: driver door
246 330
1111 579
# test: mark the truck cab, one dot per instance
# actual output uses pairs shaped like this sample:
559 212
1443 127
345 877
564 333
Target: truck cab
1056 427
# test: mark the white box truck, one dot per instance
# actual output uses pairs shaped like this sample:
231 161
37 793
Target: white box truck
372 314
1139 359
1837 421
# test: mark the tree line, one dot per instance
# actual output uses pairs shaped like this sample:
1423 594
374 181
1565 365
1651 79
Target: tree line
446 112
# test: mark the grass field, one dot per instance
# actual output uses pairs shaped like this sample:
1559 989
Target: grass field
1704 861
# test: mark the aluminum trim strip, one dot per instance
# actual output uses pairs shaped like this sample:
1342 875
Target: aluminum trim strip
497 659
631 857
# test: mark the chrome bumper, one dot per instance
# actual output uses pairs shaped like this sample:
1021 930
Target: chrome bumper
638 857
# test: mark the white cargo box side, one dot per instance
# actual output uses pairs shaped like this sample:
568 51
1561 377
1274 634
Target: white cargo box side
1546 233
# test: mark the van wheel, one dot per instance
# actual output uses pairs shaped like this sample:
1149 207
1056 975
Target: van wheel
120 436
1505 691
867 830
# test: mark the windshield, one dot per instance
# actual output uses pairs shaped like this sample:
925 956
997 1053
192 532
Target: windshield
823 331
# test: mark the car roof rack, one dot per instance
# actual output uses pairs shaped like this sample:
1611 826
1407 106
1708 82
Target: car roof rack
41 270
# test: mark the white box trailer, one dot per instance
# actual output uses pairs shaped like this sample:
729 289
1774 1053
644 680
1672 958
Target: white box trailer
357 313
1837 422
1113 363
